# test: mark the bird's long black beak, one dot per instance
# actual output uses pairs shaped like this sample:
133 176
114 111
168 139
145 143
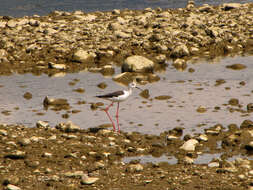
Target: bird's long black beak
138 88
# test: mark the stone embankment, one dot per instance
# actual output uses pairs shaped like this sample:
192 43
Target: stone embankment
70 42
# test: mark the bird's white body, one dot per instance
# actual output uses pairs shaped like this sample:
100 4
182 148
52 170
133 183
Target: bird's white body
121 98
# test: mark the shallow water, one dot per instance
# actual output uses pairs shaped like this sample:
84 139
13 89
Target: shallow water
19 8
201 159
154 116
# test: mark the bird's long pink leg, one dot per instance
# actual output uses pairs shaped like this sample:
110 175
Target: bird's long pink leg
117 117
107 113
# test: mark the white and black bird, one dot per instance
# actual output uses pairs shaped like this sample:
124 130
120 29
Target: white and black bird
118 96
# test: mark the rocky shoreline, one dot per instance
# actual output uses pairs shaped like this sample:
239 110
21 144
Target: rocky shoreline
68 157
70 42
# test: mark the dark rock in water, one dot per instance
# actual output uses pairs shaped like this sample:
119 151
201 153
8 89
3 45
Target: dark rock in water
102 85
163 97
247 124
233 102
219 82
28 95
51 101
250 107
236 66
145 93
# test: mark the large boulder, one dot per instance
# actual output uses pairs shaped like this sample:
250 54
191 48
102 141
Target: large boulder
83 56
137 63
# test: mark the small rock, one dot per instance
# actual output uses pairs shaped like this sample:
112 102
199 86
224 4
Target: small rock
189 145
213 164
52 65
180 64
249 146
233 102
201 109
51 101
134 168
42 124
203 137
241 176
107 70
12 187
36 139
47 154
3 132
237 66
83 56
68 127
172 137
188 160
28 95
247 124
75 174
86 180
229 6
250 107
16 154
24 141
180 51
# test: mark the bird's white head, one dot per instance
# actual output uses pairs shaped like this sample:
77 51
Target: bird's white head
132 85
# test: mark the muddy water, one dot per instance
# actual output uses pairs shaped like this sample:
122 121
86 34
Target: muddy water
188 92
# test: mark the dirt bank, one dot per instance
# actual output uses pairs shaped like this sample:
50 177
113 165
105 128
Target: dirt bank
67 157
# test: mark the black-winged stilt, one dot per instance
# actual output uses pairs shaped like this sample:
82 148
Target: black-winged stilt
118 96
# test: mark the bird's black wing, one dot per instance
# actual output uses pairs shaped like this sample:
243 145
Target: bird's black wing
110 95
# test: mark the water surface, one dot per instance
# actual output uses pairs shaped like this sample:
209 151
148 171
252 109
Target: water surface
188 92
19 8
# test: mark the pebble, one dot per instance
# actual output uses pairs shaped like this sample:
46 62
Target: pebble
47 155
13 187
16 154
24 141
203 137
189 145
75 174
42 124
172 137
86 180
68 127
3 132
213 164
134 168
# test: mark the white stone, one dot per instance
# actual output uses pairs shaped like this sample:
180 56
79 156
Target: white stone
213 164
189 145
12 187
88 180
203 137
42 124
56 66
47 154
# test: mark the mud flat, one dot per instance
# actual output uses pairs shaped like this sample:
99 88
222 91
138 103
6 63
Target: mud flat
68 157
